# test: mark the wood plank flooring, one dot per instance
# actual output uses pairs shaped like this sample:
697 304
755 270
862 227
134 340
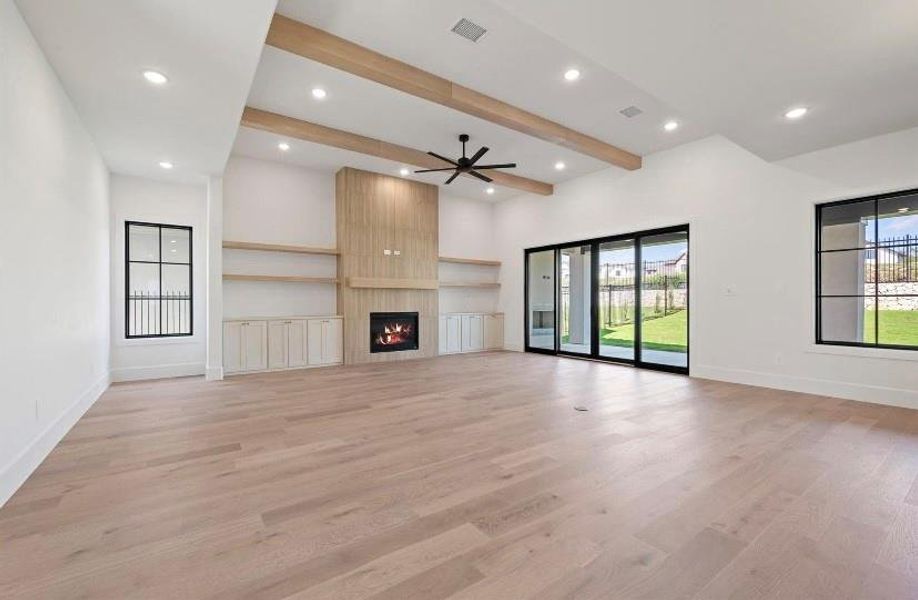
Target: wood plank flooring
469 477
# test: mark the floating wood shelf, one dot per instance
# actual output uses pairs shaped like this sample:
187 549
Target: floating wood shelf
470 284
387 283
278 248
284 278
471 261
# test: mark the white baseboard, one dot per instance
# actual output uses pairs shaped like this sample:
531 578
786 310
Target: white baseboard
905 398
157 371
214 374
18 470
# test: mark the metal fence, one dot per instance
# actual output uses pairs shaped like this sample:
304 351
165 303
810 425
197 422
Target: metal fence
159 314
663 292
892 260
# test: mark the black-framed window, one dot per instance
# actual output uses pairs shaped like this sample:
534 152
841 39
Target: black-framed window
867 271
621 298
158 296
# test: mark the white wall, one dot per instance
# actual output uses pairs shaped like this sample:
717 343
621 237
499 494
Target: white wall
277 203
466 231
274 202
54 278
751 230
140 199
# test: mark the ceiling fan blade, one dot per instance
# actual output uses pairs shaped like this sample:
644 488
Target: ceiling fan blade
477 155
501 166
453 176
480 176
435 155
435 170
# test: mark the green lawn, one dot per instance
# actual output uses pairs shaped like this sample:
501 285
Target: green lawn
897 327
661 333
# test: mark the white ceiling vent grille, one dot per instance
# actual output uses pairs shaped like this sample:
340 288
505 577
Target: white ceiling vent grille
469 30
631 111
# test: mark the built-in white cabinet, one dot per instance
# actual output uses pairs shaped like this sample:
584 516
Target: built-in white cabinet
450 334
471 332
270 344
245 346
493 332
287 347
325 341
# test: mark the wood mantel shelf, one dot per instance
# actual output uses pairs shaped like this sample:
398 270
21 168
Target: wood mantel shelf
387 283
235 245
471 261
282 278
470 284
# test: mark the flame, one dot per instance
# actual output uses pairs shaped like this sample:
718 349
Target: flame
395 333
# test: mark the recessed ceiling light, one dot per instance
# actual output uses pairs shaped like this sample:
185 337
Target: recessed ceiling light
671 125
155 77
166 164
284 146
904 209
489 190
404 172
318 93
572 74
796 113
559 166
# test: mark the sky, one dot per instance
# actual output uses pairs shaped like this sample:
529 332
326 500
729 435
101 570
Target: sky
898 226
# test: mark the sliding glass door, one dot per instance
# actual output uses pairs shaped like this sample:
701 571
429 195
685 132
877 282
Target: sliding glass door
576 324
621 298
540 292
617 310
664 299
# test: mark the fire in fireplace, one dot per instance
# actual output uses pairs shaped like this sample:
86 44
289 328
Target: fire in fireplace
393 331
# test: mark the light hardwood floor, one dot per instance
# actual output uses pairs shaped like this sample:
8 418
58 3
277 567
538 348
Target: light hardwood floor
469 477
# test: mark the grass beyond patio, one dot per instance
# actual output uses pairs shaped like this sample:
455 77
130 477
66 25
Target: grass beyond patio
897 327
669 333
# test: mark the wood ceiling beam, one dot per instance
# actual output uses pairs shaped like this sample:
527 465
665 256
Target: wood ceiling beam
321 46
328 136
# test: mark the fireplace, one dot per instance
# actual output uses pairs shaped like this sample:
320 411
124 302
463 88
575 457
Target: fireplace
393 331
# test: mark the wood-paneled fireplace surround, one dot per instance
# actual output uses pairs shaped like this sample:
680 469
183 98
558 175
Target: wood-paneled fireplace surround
388 241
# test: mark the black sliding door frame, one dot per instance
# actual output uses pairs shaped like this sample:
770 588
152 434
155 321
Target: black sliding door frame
594 244
559 307
526 279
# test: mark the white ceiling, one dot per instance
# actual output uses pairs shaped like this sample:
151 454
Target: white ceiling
514 62
737 66
208 48
262 145
716 66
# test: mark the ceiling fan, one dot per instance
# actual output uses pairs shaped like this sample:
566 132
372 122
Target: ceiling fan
467 165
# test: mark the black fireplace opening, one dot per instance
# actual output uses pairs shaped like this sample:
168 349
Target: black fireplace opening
393 331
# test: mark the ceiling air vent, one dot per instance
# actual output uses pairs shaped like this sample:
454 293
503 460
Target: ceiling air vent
469 30
631 111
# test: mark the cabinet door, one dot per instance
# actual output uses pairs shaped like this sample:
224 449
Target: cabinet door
441 335
334 341
453 333
232 347
476 334
296 343
494 332
277 344
315 343
255 346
